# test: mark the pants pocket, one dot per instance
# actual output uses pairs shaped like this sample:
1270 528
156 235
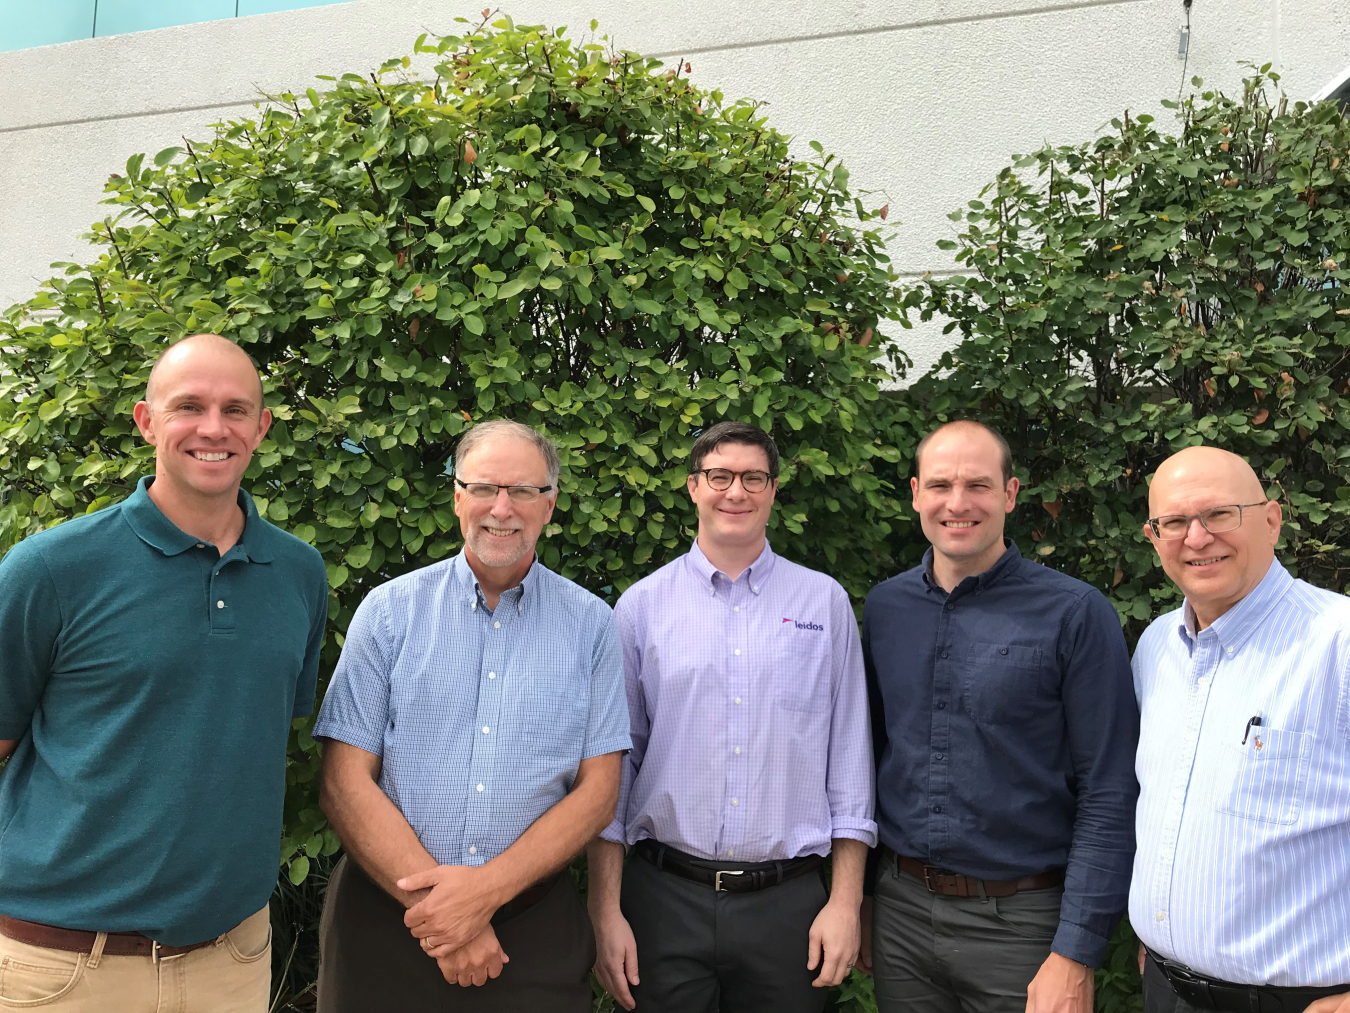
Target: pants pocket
26 983
251 939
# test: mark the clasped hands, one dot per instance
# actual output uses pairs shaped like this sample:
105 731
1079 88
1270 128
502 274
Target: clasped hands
452 921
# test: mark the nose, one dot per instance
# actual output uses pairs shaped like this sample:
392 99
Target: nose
1197 535
212 424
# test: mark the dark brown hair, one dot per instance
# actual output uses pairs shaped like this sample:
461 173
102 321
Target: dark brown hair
733 432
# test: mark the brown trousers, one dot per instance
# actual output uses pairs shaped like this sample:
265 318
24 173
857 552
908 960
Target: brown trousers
370 962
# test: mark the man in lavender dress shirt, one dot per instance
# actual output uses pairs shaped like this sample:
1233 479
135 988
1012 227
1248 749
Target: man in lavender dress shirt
750 762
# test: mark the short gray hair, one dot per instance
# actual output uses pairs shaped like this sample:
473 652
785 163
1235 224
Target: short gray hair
485 431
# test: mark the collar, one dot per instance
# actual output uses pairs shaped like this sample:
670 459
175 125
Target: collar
1007 563
157 531
756 575
472 591
1236 625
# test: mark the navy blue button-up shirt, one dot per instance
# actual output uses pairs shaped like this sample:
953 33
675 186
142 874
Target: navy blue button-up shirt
1005 727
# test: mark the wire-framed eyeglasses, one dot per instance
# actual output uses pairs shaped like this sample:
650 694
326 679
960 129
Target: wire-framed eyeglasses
721 479
1215 520
518 493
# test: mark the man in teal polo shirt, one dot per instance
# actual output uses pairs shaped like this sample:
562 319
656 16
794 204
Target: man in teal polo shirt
152 657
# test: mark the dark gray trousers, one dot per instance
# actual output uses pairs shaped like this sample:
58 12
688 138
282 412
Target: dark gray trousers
935 954
1159 996
370 962
705 952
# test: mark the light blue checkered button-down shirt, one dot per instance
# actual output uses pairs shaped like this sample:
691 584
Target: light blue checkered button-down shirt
481 717
1243 864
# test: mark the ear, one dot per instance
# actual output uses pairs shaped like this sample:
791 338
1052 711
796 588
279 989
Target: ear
1148 533
1012 488
144 421
690 484
914 488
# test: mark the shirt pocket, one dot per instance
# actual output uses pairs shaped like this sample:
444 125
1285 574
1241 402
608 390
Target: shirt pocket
556 707
1265 779
1003 683
801 668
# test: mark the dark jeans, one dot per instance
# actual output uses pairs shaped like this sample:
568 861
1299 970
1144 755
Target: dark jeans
705 952
370 962
935 954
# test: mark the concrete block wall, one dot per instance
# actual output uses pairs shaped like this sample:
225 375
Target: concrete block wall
923 99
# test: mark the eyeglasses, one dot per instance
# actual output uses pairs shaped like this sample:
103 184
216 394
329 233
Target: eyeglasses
1215 520
721 479
518 493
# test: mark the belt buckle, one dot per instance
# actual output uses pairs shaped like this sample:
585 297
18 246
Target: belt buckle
155 958
717 878
929 872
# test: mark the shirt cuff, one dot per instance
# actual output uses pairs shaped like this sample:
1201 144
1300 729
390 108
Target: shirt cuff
854 829
1077 943
352 736
617 744
614 833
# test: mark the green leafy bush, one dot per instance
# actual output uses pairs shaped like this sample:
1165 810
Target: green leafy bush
563 234
1145 292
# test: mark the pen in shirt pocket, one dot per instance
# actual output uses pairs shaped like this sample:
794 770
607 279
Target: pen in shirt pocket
1252 722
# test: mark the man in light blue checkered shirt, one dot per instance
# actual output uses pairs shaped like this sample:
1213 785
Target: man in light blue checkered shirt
474 730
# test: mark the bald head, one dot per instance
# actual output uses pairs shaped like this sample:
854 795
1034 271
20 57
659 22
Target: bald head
1230 528
210 351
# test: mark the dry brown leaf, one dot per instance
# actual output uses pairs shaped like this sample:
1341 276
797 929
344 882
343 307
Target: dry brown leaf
866 338
1260 417
1053 507
1223 146
1224 131
1118 577
470 155
841 277
414 327
885 210
1209 386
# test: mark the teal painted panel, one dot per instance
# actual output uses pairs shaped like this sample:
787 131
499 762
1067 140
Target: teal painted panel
247 7
117 17
25 23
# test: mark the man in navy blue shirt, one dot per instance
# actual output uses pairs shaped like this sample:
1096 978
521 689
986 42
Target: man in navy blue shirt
1005 726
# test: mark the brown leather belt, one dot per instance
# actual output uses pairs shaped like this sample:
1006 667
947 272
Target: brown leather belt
953 884
119 944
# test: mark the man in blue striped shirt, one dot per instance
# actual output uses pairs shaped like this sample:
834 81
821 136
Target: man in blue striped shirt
475 724
1241 888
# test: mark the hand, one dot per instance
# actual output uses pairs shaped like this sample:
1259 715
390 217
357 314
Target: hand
835 937
865 949
1142 953
616 962
460 902
1331 1004
1061 986
473 964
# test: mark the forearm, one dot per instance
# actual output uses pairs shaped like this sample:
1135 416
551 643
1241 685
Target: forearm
7 747
849 862
374 833
604 866
560 834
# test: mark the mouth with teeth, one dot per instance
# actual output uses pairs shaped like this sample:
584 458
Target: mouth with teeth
1204 562
959 525
500 532
203 455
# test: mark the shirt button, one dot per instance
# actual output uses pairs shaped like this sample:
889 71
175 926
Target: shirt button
942 705
1161 916
1230 650
735 801
492 675
738 750
937 808
202 545
950 607
755 588
480 787
473 850
1002 650
738 701
496 626
220 604
937 756
944 654
1176 795
737 652
1167 854
730 852
736 608
485 729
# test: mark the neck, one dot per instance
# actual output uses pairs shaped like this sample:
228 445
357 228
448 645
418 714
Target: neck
217 520
494 581
949 572
732 559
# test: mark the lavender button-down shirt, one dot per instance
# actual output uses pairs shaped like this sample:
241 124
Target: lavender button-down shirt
748 708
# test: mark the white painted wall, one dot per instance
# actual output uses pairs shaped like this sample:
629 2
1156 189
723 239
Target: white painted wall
923 99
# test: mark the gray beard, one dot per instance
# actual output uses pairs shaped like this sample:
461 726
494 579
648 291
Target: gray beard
497 555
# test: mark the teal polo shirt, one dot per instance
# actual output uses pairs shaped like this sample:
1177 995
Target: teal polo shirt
151 684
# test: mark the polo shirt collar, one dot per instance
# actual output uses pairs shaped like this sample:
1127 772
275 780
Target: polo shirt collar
155 529
756 574
1236 625
1006 564
520 596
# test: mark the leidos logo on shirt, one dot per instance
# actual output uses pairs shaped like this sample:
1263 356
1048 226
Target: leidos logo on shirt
805 626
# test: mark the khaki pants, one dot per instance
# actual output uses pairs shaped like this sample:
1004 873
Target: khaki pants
234 975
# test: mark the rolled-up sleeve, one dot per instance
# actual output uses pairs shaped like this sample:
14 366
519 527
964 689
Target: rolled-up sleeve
607 723
356 707
638 725
30 623
1103 734
851 779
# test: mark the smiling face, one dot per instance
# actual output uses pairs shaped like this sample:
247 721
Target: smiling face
732 519
961 498
500 533
1214 571
204 416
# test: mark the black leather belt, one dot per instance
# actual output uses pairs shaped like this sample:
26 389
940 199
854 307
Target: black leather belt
1215 994
751 876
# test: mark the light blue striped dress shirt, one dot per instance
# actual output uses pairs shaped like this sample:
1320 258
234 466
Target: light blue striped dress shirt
1243 863
481 717
751 736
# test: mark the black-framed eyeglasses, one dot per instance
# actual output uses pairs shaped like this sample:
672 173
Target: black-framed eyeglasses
721 479
1215 520
518 493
